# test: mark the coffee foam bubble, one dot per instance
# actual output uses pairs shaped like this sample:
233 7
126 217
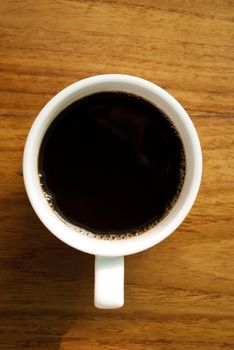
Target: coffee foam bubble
48 197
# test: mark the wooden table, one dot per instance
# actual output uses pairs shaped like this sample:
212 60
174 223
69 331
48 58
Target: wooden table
179 294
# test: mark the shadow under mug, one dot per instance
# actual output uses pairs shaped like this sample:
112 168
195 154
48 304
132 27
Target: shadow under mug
109 261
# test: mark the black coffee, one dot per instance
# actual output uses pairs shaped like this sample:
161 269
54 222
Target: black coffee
112 163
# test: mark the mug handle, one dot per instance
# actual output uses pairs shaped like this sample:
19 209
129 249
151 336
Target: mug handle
109 282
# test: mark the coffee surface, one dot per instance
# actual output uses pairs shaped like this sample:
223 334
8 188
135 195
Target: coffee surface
112 163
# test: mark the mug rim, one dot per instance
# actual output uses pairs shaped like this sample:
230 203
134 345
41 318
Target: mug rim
79 238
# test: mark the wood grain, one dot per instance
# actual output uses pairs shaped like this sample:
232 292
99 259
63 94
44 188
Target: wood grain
179 295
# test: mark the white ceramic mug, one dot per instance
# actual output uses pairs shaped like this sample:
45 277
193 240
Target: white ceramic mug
109 254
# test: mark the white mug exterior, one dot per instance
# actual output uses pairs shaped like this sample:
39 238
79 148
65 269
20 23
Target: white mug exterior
79 238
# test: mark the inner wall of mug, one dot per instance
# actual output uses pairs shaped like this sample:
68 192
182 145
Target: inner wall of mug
78 237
